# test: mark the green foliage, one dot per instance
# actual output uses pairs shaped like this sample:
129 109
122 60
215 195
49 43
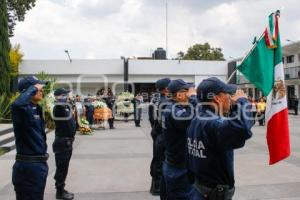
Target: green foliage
2 151
180 55
46 77
15 58
4 50
48 98
5 102
202 52
4 107
17 10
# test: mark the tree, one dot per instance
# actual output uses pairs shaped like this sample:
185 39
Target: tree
203 52
4 50
16 12
10 12
15 58
180 55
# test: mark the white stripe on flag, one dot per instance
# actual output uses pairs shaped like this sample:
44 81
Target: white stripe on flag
274 103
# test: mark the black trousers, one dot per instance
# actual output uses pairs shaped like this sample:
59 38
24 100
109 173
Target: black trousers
111 122
261 120
158 157
29 180
29 196
157 164
137 122
62 161
63 152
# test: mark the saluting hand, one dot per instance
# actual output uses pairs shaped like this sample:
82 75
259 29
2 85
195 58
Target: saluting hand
191 92
39 87
238 94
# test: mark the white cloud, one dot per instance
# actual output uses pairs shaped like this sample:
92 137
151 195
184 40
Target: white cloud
110 29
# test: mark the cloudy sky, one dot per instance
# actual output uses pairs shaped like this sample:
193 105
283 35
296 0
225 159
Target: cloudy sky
114 28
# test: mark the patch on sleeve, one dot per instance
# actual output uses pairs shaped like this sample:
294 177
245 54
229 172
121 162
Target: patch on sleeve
180 112
220 120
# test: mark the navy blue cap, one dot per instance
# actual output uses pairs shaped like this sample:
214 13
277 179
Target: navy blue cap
61 91
162 83
213 86
179 84
28 81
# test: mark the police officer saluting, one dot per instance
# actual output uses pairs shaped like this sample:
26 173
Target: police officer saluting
64 138
30 170
213 137
158 103
176 119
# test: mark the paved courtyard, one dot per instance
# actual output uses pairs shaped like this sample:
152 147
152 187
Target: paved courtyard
114 165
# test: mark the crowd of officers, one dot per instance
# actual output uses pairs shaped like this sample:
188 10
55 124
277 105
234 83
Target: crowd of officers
193 140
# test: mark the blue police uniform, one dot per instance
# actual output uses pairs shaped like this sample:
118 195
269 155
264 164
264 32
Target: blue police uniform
30 170
176 119
211 141
65 131
158 104
89 111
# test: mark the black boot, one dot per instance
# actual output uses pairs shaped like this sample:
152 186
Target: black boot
155 187
64 194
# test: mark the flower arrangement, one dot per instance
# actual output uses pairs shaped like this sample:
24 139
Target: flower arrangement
84 127
125 96
124 105
99 104
48 105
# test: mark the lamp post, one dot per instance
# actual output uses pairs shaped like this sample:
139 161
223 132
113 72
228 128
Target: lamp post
125 73
167 32
67 52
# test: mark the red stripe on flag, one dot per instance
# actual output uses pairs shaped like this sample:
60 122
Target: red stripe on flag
278 137
268 42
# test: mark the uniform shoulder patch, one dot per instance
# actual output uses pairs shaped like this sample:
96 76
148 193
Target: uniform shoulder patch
220 120
180 112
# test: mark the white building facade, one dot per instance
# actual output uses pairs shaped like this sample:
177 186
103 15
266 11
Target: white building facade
88 76
291 60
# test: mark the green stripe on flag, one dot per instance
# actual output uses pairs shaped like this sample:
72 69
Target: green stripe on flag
258 67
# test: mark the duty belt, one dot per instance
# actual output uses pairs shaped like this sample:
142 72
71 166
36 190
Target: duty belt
210 193
65 138
27 158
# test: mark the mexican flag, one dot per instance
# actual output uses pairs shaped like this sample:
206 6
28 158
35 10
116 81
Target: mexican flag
263 67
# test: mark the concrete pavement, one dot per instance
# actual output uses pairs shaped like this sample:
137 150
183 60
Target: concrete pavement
114 165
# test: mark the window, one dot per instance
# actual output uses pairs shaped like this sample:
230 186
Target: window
290 59
283 60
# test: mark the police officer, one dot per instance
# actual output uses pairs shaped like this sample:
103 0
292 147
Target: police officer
89 109
151 109
137 109
158 103
30 170
110 101
176 118
212 137
64 137
296 104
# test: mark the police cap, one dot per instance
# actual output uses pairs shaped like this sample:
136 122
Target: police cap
178 84
213 86
61 91
162 83
28 81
